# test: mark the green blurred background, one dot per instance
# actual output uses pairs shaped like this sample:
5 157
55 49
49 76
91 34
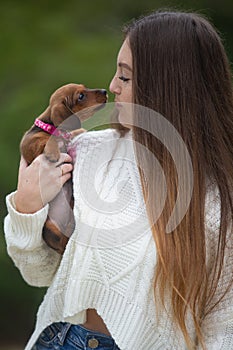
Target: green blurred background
43 46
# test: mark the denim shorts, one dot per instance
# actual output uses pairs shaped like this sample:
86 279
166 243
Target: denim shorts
65 336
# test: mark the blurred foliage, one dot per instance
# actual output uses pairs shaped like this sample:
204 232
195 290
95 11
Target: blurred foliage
44 45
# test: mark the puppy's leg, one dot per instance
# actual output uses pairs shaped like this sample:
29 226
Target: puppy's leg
53 237
60 223
51 150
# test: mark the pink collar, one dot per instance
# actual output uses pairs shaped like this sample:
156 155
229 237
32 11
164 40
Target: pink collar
52 130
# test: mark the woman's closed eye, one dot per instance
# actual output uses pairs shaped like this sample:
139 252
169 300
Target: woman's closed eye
124 79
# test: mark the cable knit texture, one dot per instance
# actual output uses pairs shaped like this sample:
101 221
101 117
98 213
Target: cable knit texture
110 259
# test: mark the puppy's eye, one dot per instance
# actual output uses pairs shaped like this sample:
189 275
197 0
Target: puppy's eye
81 97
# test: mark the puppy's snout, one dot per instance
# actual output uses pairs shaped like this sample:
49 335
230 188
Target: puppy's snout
101 96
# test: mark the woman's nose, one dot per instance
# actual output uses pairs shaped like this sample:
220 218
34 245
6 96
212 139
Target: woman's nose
114 87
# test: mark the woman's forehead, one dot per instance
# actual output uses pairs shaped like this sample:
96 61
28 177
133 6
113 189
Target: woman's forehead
125 55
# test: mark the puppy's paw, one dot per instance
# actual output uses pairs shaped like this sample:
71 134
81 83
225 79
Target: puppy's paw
51 157
77 132
51 150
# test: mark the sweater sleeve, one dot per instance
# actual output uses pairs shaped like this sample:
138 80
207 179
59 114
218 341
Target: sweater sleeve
217 326
23 232
36 261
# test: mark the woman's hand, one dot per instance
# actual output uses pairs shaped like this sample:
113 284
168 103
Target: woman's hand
40 182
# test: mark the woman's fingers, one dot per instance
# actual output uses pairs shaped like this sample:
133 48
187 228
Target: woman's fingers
41 181
23 164
66 168
52 176
64 158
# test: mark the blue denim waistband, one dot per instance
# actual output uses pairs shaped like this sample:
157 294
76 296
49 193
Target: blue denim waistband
77 336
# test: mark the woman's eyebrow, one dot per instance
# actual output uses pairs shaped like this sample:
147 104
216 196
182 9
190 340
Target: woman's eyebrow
125 65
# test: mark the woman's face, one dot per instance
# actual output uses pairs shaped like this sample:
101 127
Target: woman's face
121 84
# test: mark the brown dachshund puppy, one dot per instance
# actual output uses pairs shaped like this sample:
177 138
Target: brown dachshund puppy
56 126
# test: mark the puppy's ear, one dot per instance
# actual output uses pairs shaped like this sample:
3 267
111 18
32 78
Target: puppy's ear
59 113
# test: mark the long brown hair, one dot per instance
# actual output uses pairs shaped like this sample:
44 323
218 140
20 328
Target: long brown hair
180 69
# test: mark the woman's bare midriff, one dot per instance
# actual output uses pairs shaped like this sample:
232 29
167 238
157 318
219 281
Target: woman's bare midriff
95 322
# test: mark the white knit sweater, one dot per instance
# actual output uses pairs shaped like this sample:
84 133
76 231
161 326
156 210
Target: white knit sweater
109 261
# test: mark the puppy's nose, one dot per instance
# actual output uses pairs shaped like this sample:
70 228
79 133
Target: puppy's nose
103 91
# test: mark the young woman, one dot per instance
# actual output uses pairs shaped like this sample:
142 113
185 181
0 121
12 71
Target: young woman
124 281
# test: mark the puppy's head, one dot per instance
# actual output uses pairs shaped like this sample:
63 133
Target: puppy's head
75 99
